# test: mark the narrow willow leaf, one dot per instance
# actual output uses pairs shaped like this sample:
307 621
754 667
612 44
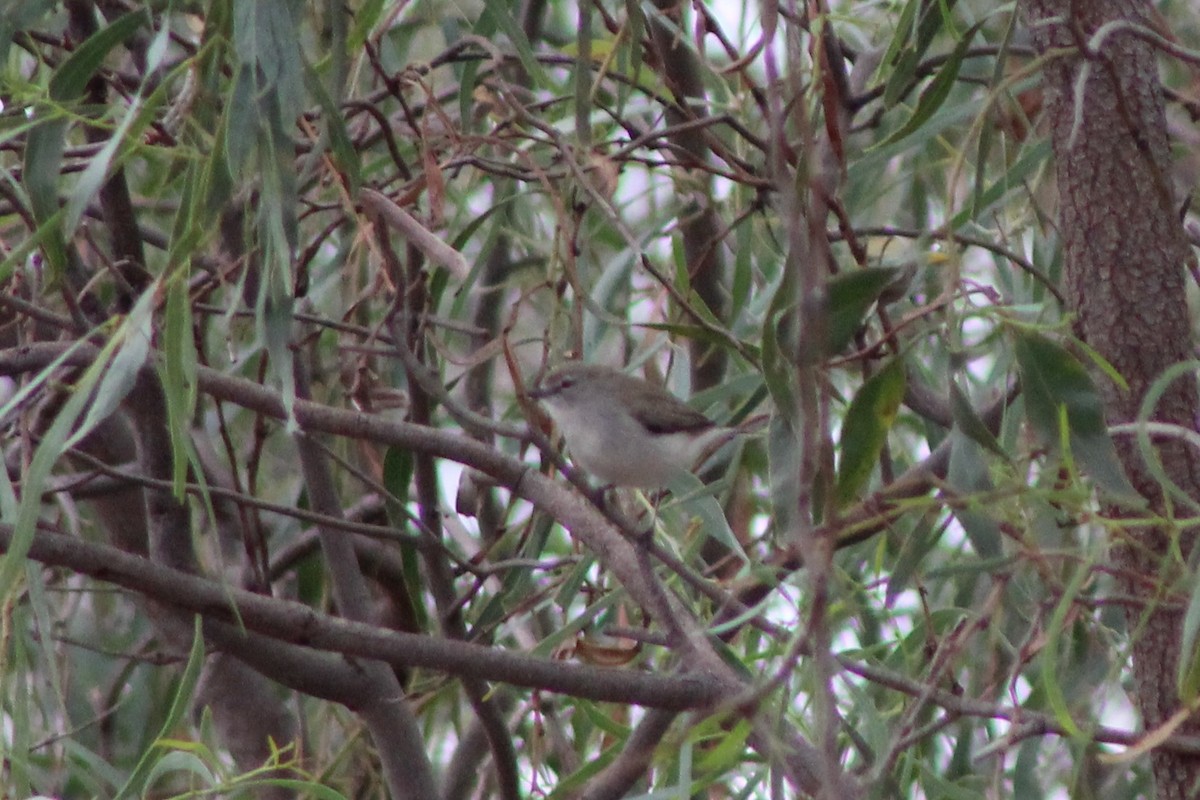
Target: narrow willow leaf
398 468
39 171
968 474
266 34
986 131
187 762
780 345
850 295
71 78
501 16
139 781
97 170
923 21
967 421
241 120
345 154
783 461
936 92
898 55
868 420
51 447
484 28
1150 452
16 17
9 504
133 339
695 500
583 77
574 583
917 536
40 608
590 768
179 377
157 51
562 635
1053 379
25 392
44 149
275 320
1188 677
1033 155
366 17
298 788
18 751
1051 672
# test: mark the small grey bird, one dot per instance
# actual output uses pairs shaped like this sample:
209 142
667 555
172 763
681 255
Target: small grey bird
623 430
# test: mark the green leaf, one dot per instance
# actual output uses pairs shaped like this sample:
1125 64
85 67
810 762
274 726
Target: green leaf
398 467
1050 671
138 781
850 295
1151 454
912 41
133 339
9 504
986 132
97 170
366 17
696 500
345 154
21 706
298 789
274 317
241 121
1188 677
604 722
569 786
39 607
968 474
44 149
936 92
900 55
917 537
16 17
783 463
52 445
969 423
71 78
156 53
1032 157
182 763
39 172
499 15
780 344
868 420
1053 379
266 34
179 377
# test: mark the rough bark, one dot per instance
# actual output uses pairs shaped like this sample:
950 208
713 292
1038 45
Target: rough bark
1124 254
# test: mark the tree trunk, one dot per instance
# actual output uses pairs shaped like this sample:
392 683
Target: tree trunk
1125 254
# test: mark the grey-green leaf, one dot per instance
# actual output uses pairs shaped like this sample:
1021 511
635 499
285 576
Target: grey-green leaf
1053 379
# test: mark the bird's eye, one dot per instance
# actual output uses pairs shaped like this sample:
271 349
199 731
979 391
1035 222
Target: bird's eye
566 383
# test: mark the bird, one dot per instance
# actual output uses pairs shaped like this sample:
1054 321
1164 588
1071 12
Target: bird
626 431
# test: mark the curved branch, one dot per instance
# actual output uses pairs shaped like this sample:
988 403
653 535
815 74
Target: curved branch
294 623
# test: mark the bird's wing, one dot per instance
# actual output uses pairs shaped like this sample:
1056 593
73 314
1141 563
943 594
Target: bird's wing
674 417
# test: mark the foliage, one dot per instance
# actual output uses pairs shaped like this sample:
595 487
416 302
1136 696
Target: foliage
225 223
